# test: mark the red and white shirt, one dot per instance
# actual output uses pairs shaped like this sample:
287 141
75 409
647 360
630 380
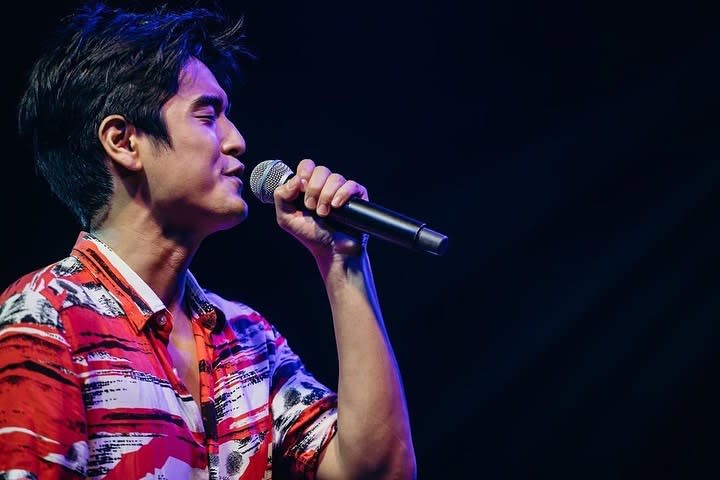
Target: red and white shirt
87 387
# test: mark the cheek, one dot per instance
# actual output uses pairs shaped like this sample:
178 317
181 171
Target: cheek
203 156
192 167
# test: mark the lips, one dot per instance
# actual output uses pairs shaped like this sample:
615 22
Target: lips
236 179
233 167
235 172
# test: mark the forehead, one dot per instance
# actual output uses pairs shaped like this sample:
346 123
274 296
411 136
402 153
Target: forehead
195 81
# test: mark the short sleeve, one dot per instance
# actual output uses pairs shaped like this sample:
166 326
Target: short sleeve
42 419
304 413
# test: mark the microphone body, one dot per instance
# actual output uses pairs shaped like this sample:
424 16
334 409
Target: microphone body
364 216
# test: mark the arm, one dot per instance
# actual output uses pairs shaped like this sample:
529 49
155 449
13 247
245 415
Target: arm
373 433
42 418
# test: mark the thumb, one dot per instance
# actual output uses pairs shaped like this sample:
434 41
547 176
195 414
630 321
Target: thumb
288 191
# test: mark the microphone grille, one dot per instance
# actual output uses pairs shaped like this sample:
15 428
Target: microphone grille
266 177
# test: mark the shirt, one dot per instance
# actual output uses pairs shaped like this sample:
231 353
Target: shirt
87 387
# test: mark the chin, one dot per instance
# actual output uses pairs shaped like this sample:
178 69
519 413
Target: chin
234 218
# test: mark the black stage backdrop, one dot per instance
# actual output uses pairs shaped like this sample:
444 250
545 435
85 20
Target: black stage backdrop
568 149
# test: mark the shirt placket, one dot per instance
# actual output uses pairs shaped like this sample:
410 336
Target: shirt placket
205 354
160 327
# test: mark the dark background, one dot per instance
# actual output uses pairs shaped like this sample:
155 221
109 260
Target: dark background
569 151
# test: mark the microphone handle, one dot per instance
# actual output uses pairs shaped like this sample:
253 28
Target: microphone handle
388 225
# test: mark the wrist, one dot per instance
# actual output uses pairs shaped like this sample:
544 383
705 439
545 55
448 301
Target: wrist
342 252
340 267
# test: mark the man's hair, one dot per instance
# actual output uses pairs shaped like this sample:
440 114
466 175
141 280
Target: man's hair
106 61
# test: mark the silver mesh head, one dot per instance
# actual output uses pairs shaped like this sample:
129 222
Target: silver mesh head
266 177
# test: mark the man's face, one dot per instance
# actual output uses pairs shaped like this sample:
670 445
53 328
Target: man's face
194 186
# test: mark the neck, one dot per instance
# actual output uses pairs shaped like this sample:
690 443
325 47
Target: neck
159 258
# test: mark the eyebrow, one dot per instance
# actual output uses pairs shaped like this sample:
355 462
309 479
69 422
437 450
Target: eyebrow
213 101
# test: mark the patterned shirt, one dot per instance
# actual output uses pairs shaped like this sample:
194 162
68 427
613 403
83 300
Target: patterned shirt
88 390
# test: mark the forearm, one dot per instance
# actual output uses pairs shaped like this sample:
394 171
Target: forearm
373 427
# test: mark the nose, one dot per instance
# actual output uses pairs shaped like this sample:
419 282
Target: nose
233 142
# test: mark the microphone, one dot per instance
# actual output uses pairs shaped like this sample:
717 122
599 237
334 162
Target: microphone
356 213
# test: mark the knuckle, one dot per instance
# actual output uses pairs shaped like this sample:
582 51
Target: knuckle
322 170
305 167
326 196
337 178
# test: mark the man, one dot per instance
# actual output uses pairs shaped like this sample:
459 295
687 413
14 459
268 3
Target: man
114 362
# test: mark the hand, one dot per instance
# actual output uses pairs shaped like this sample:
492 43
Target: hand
323 190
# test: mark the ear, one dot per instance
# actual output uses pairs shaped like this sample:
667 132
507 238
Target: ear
119 139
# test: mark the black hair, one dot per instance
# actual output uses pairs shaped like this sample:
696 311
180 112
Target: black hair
105 61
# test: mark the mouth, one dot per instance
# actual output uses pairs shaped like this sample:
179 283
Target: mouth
235 173
234 169
237 180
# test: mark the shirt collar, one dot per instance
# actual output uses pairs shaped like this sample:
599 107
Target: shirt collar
139 301
202 310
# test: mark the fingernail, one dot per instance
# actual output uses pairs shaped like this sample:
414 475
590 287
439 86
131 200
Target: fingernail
310 202
322 209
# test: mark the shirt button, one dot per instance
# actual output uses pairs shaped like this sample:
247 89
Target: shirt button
162 320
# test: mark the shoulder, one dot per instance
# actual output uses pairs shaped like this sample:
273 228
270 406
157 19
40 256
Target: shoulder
36 297
67 269
240 317
231 308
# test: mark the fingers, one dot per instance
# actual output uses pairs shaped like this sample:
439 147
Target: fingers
315 185
348 189
289 191
323 189
305 168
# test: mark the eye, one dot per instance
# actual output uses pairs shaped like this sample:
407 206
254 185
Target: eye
207 118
